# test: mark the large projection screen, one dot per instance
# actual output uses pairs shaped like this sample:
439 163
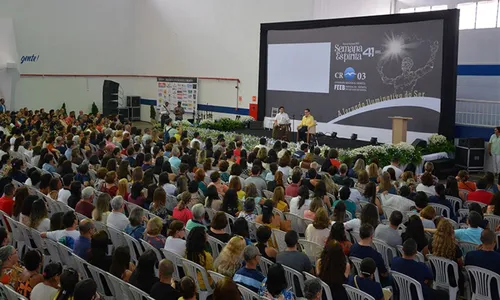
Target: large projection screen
353 74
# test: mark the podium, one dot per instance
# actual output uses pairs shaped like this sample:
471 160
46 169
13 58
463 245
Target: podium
399 128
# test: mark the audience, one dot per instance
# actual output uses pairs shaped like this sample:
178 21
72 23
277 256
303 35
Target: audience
68 281
291 257
136 226
333 268
480 194
365 281
473 233
82 243
143 277
153 233
163 289
117 218
86 290
319 230
230 258
175 239
389 233
195 252
264 234
248 275
48 288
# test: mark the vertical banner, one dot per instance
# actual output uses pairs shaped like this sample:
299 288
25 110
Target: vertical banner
172 90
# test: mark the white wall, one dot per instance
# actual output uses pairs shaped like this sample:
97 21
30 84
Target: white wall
325 9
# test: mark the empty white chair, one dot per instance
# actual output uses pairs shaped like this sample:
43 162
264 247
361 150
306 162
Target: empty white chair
481 289
116 237
493 221
53 250
279 238
312 249
66 255
293 276
216 276
81 267
404 284
456 203
247 294
192 269
135 247
298 223
442 280
326 288
264 264
387 252
467 247
441 210
216 245
17 235
356 294
99 275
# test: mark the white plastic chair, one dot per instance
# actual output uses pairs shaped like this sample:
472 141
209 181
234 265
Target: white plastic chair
481 287
216 276
441 279
53 250
98 275
279 238
388 211
135 293
468 202
441 210
493 221
268 194
116 237
10 294
290 275
81 267
456 203
404 284
298 223
192 269
462 215
279 213
419 257
453 223
264 264
387 252
17 235
326 288
230 222
216 245
311 249
135 247
210 212
176 260
356 294
355 236
247 294
467 247
357 267
66 255
147 246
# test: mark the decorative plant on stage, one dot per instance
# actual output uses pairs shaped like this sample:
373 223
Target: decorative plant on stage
94 109
152 113
439 143
63 107
224 124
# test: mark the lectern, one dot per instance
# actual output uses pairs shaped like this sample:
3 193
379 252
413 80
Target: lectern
399 128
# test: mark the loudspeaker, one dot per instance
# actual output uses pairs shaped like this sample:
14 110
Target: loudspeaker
419 143
110 97
471 143
472 159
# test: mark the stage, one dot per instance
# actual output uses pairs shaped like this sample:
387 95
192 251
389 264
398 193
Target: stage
322 140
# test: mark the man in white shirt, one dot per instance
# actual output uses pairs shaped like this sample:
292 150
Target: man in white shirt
394 165
196 138
117 218
280 124
70 223
64 193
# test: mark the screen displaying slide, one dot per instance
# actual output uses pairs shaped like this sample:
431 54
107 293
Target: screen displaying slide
359 75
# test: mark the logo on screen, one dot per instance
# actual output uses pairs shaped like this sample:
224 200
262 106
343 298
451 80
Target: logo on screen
349 73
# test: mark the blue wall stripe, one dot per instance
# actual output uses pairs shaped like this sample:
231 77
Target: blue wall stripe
478 70
212 108
462 131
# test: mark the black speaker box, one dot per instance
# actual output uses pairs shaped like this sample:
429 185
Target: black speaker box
444 168
110 91
419 143
470 157
471 143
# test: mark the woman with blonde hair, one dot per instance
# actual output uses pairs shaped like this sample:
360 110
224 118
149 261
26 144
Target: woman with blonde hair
279 199
386 185
316 204
427 215
235 184
363 180
231 257
373 172
153 233
318 231
331 186
101 210
123 189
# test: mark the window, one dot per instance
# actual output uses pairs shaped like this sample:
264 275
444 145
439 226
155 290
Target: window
487 14
422 8
439 7
467 15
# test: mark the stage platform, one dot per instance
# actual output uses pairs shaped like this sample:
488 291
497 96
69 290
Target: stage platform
323 140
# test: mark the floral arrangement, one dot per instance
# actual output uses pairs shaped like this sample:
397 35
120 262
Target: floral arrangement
405 152
224 124
438 143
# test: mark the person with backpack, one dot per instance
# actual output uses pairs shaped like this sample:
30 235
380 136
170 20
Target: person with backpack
168 131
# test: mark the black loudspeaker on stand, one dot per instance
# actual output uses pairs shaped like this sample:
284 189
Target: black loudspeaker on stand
110 97
470 154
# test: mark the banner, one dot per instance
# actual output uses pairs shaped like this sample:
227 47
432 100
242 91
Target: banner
172 90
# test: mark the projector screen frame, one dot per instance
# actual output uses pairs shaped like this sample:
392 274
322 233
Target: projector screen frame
449 54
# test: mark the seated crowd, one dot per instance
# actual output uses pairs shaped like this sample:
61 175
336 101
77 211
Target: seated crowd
177 193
